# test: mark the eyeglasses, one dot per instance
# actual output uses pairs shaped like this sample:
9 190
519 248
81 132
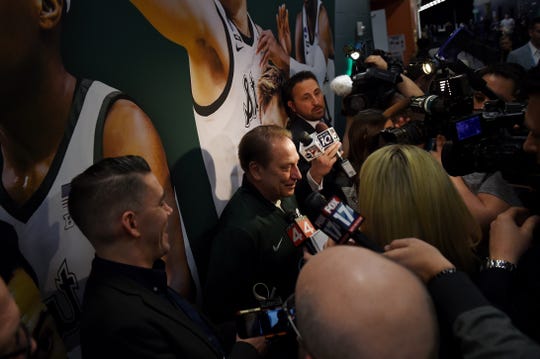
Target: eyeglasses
23 342
290 308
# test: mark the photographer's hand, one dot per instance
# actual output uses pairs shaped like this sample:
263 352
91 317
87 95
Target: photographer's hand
406 87
418 256
376 61
508 240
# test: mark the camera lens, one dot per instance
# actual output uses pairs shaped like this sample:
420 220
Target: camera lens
411 133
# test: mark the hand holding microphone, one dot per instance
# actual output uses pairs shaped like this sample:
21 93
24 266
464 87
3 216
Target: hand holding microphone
325 134
323 164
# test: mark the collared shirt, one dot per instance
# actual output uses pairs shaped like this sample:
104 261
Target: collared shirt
155 280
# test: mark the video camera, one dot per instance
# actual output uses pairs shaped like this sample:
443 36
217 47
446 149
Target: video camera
371 87
484 141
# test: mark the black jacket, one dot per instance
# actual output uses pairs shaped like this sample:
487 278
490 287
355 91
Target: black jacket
127 314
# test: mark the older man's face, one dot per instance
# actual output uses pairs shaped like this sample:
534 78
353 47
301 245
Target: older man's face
279 177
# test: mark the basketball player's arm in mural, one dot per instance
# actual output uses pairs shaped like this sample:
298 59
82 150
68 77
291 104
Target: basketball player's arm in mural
196 26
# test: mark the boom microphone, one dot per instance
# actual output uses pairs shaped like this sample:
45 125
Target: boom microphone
302 232
339 221
342 85
327 136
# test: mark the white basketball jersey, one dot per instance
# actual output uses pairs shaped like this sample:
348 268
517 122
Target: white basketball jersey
221 125
58 252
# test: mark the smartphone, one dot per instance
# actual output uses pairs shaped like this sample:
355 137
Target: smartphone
257 322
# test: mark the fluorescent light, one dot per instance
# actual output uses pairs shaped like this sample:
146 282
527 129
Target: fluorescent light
428 5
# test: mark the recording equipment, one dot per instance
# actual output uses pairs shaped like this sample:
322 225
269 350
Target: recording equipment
302 232
310 148
486 141
325 135
267 322
339 221
368 86
314 145
463 40
486 145
342 85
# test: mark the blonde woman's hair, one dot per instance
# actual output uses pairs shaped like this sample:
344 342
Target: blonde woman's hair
405 192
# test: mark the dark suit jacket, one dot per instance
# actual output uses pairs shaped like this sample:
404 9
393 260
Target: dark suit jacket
298 126
123 319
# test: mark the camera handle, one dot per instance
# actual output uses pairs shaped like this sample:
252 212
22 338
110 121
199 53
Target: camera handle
475 80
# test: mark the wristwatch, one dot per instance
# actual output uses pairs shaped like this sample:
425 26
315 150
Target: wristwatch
499 263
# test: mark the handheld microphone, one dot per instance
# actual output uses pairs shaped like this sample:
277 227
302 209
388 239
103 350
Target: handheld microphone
302 232
327 136
338 220
310 148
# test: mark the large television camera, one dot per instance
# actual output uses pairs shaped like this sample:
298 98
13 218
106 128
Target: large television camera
488 141
484 141
371 86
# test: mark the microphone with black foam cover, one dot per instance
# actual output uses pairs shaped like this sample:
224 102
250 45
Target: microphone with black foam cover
338 220
327 136
302 232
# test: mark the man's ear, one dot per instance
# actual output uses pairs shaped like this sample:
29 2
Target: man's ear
291 106
50 13
130 224
254 170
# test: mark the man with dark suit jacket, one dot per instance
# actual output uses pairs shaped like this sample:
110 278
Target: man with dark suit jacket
306 108
128 310
528 54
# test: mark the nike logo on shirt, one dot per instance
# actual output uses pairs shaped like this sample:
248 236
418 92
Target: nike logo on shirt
276 247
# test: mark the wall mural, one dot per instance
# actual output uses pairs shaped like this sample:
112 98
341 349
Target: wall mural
176 81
